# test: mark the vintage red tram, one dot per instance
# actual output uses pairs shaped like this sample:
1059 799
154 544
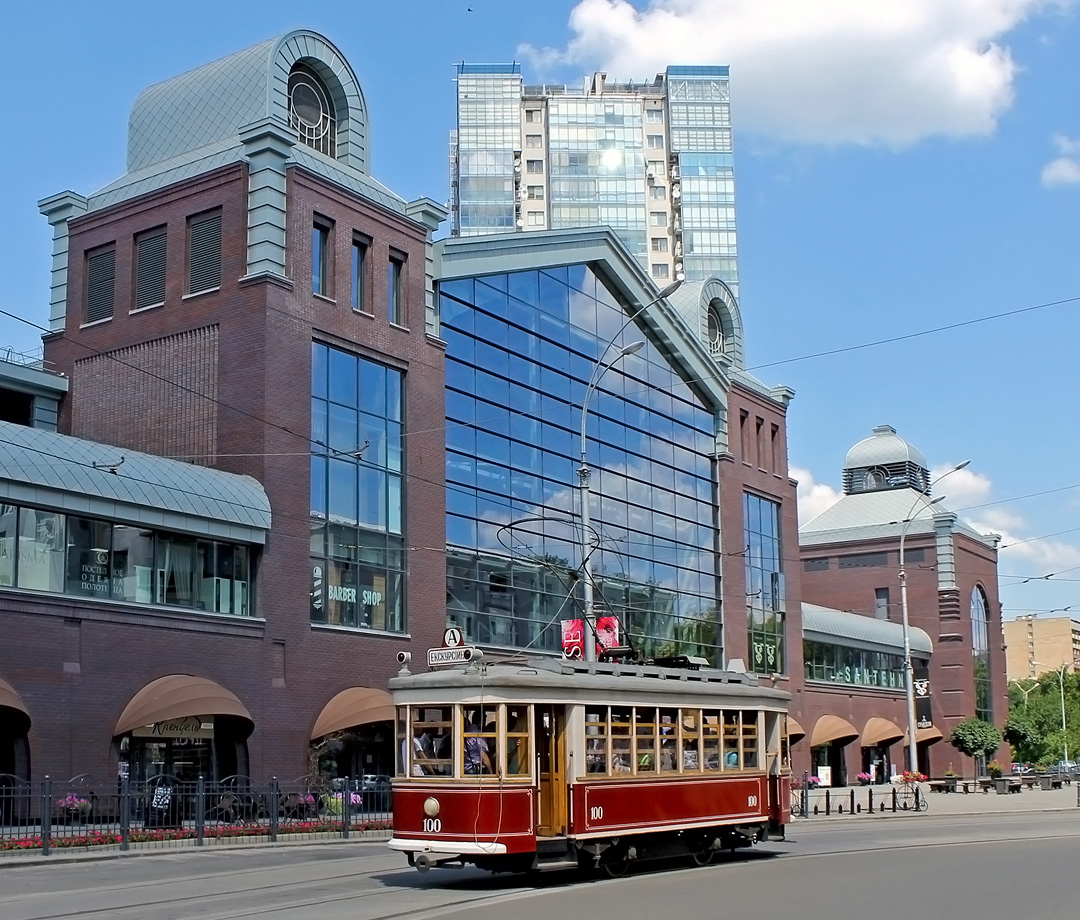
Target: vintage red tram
552 763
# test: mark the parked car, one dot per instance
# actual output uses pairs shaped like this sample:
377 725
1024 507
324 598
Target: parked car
1019 769
375 788
1064 766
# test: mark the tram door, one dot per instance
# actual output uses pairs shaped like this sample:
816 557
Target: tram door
550 722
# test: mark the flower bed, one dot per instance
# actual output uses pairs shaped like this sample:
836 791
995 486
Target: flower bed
110 838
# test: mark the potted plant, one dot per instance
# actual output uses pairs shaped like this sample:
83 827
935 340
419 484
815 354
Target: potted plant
75 808
951 777
995 770
863 778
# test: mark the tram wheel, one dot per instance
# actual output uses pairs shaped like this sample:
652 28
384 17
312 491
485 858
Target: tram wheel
616 869
703 856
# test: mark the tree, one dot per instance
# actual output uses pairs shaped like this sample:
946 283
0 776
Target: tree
975 738
1026 740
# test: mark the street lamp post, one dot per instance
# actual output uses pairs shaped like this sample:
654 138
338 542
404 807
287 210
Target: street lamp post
588 542
909 667
1064 729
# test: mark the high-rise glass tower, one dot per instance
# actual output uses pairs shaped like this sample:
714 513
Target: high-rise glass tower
651 160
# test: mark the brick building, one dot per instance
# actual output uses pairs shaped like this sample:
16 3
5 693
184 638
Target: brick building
248 298
850 557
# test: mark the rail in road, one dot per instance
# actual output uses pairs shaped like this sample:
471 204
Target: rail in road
826 866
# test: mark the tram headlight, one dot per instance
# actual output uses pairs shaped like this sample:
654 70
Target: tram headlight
431 806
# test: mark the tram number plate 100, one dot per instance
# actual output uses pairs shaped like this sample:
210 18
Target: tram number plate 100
432 825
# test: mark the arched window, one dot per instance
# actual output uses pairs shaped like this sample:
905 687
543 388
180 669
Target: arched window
311 111
980 651
716 333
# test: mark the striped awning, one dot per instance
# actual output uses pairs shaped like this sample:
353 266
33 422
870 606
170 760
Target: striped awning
879 732
925 735
832 728
352 707
179 696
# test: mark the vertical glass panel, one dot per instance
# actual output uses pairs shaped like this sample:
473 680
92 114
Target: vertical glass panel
622 754
175 576
88 557
132 564
319 371
341 504
8 542
342 377
431 752
645 740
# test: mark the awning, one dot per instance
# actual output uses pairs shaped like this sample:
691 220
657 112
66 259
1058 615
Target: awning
355 706
795 731
9 699
925 735
832 728
880 732
176 697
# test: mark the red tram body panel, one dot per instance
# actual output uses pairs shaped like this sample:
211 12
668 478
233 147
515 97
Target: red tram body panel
551 763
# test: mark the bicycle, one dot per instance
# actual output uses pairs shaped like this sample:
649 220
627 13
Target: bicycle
910 797
796 803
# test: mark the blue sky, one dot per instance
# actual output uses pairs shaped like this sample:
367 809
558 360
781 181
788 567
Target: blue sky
901 166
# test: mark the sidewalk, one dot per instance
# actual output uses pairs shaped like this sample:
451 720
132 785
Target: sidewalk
949 803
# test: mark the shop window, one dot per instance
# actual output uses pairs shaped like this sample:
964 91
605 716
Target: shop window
42 539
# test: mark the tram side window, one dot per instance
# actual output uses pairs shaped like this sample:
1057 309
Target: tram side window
596 741
480 740
785 745
432 746
731 741
622 753
645 739
691 740
402 732
517 741
669 740
710 740
750 740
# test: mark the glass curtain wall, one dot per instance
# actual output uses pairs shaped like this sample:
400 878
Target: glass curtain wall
699 114
764 584
488 134
356 496
597 166
520 351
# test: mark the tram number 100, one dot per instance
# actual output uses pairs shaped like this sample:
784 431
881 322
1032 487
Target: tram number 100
751 801
432 825
596 812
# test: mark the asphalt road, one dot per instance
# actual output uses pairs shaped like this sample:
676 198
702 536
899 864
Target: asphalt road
994 867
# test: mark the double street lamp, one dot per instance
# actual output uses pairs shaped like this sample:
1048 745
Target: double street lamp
1064 728
588 537
909 667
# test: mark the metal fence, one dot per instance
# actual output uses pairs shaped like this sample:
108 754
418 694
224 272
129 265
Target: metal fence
46 816
807 802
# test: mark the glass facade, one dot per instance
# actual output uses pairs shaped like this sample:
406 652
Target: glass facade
521 349
356 492
699 113
597 165
853 666
100 560
488 133
764 584
980 651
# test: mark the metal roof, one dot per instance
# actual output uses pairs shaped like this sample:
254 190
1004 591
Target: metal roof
823 624
45 469
885 446
876 516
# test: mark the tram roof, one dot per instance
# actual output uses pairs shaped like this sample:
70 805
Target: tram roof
558 679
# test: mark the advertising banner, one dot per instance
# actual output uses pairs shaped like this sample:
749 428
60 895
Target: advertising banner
573 636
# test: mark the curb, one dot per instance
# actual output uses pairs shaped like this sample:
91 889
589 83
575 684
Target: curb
88 854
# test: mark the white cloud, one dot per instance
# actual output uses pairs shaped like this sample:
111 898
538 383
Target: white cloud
887 72
813 497
1062 171
962 487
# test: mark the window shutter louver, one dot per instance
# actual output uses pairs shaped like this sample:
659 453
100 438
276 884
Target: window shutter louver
204 253
100 285
150 270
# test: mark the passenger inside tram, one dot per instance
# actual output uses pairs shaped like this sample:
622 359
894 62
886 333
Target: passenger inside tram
477 756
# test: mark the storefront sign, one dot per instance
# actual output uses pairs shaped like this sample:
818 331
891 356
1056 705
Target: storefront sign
187 727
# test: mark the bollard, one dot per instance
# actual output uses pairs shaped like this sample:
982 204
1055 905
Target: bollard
870 804
46 816
125 812
851 810
828 802
200 810
275 809
346 801
894 800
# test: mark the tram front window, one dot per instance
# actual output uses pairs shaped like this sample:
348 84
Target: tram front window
431 752
480 740
517 741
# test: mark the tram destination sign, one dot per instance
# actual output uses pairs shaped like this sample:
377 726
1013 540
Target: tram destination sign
458 655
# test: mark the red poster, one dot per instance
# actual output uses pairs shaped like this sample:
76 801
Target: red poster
573 638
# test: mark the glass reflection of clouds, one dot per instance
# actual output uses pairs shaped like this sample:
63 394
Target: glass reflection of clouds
520 349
